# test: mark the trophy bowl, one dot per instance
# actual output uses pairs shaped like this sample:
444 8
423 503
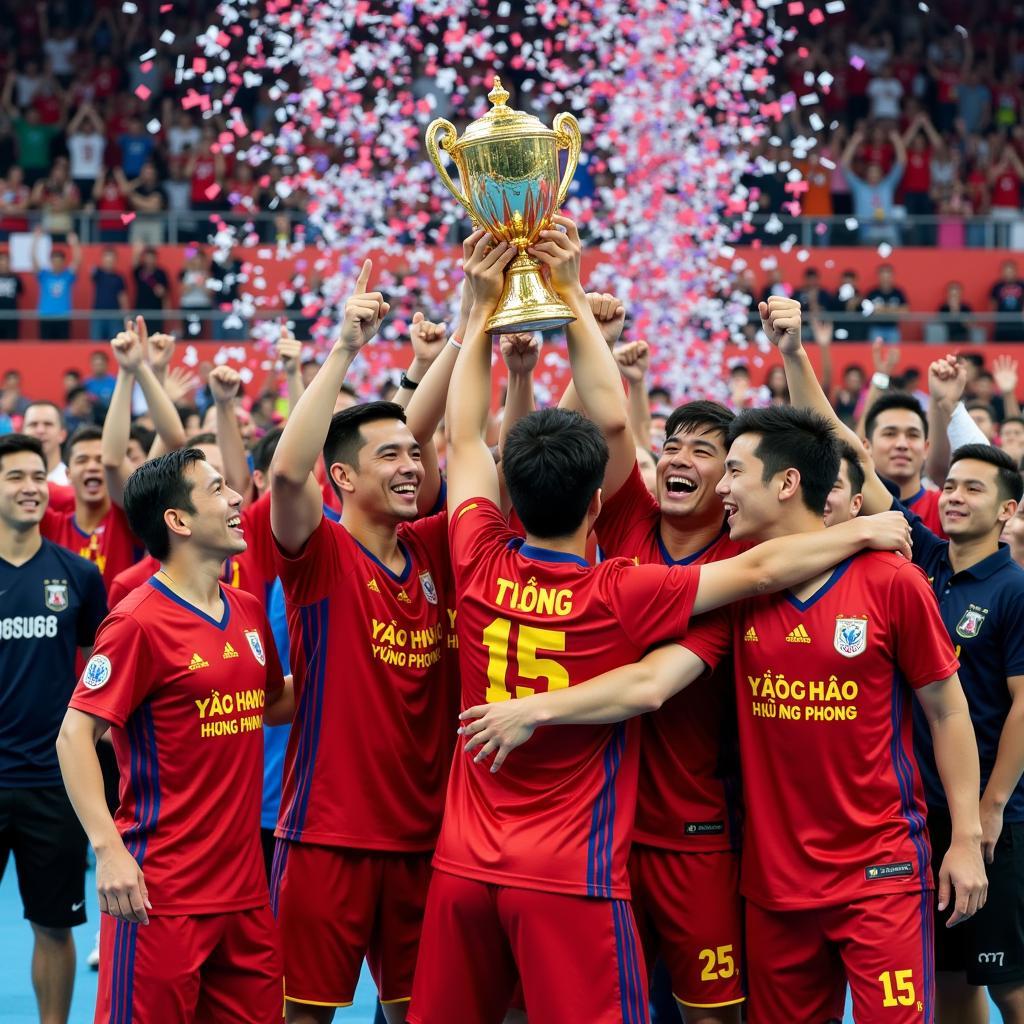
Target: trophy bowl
507 162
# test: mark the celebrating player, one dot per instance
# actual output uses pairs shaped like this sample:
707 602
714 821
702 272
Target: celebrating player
51 602
532 863
181 673
370 747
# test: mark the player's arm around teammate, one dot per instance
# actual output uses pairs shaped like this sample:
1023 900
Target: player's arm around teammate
297 502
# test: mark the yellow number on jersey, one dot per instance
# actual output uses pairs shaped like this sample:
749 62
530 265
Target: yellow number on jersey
904 994
531 639
720 963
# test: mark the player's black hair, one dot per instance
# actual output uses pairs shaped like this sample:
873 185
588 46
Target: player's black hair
263 450
983 407
554 461
893 400
52 405
699 417
143 435
793 439
854 470
86 432
156 486
1008 478
344 439
11 444
1012 419
206 437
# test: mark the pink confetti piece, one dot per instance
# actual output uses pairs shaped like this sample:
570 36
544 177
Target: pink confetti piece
127 218
143 92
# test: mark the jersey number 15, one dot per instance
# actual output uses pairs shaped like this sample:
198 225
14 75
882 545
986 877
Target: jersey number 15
529 641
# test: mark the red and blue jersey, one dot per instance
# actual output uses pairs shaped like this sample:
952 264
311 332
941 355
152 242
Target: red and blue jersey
111 546
833 798
558 817
376 698
689 772
184 695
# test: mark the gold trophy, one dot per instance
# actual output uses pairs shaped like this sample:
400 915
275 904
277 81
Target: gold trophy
508 169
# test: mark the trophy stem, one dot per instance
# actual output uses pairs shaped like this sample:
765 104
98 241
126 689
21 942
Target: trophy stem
527 303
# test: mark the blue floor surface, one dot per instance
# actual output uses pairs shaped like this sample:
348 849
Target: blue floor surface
18 1005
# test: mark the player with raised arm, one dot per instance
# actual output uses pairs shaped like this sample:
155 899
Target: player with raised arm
548 873
369 620
181 674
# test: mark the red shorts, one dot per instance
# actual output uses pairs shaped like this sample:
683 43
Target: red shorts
578 957
336 906
690 914
799 961
203 969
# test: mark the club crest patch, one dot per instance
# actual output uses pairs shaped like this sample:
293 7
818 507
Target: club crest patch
256 646
970 624
429 590
55 594
97 672
851 637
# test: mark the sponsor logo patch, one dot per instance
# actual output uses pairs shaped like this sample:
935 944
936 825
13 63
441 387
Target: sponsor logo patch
429 590
799 636
751 636
229 652
704 828
898 869
256 646
971 622
97 672
55 593
197 662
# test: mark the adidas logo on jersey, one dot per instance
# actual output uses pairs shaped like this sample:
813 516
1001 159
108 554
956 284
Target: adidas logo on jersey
372 585
404 597
197 662
229 651
751 636
799 636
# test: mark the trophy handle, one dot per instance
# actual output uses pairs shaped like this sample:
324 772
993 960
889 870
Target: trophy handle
567 129
447 141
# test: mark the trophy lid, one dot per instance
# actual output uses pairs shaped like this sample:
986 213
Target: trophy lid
502 122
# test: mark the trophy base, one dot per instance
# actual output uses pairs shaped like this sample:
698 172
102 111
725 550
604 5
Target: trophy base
527 303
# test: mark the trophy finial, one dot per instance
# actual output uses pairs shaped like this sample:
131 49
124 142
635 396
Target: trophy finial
498 95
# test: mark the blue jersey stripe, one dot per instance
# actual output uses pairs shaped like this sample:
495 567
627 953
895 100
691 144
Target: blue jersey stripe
277 872
599 842
314 643
631 995
617 744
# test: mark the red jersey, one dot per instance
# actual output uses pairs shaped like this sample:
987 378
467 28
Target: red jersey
185 696
111 546
62 499
689 773
834 804
1006 190
558 817
926 504
917 175
376 718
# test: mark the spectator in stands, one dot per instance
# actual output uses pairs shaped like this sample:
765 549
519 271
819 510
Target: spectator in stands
850 300
974 99
109 296
1011 437
849 395
58 198
136 146
885 91
890 303
11 290
814 299
776 387
147 200
55 285
34 138
1008 300
151 283
15 196
874 195
205 170
1006 176
776 285
12 401
78 411
109 195
100 383
195 290
955 325
87 145
922 143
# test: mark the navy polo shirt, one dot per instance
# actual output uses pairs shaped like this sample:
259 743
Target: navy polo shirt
49 607
983 611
